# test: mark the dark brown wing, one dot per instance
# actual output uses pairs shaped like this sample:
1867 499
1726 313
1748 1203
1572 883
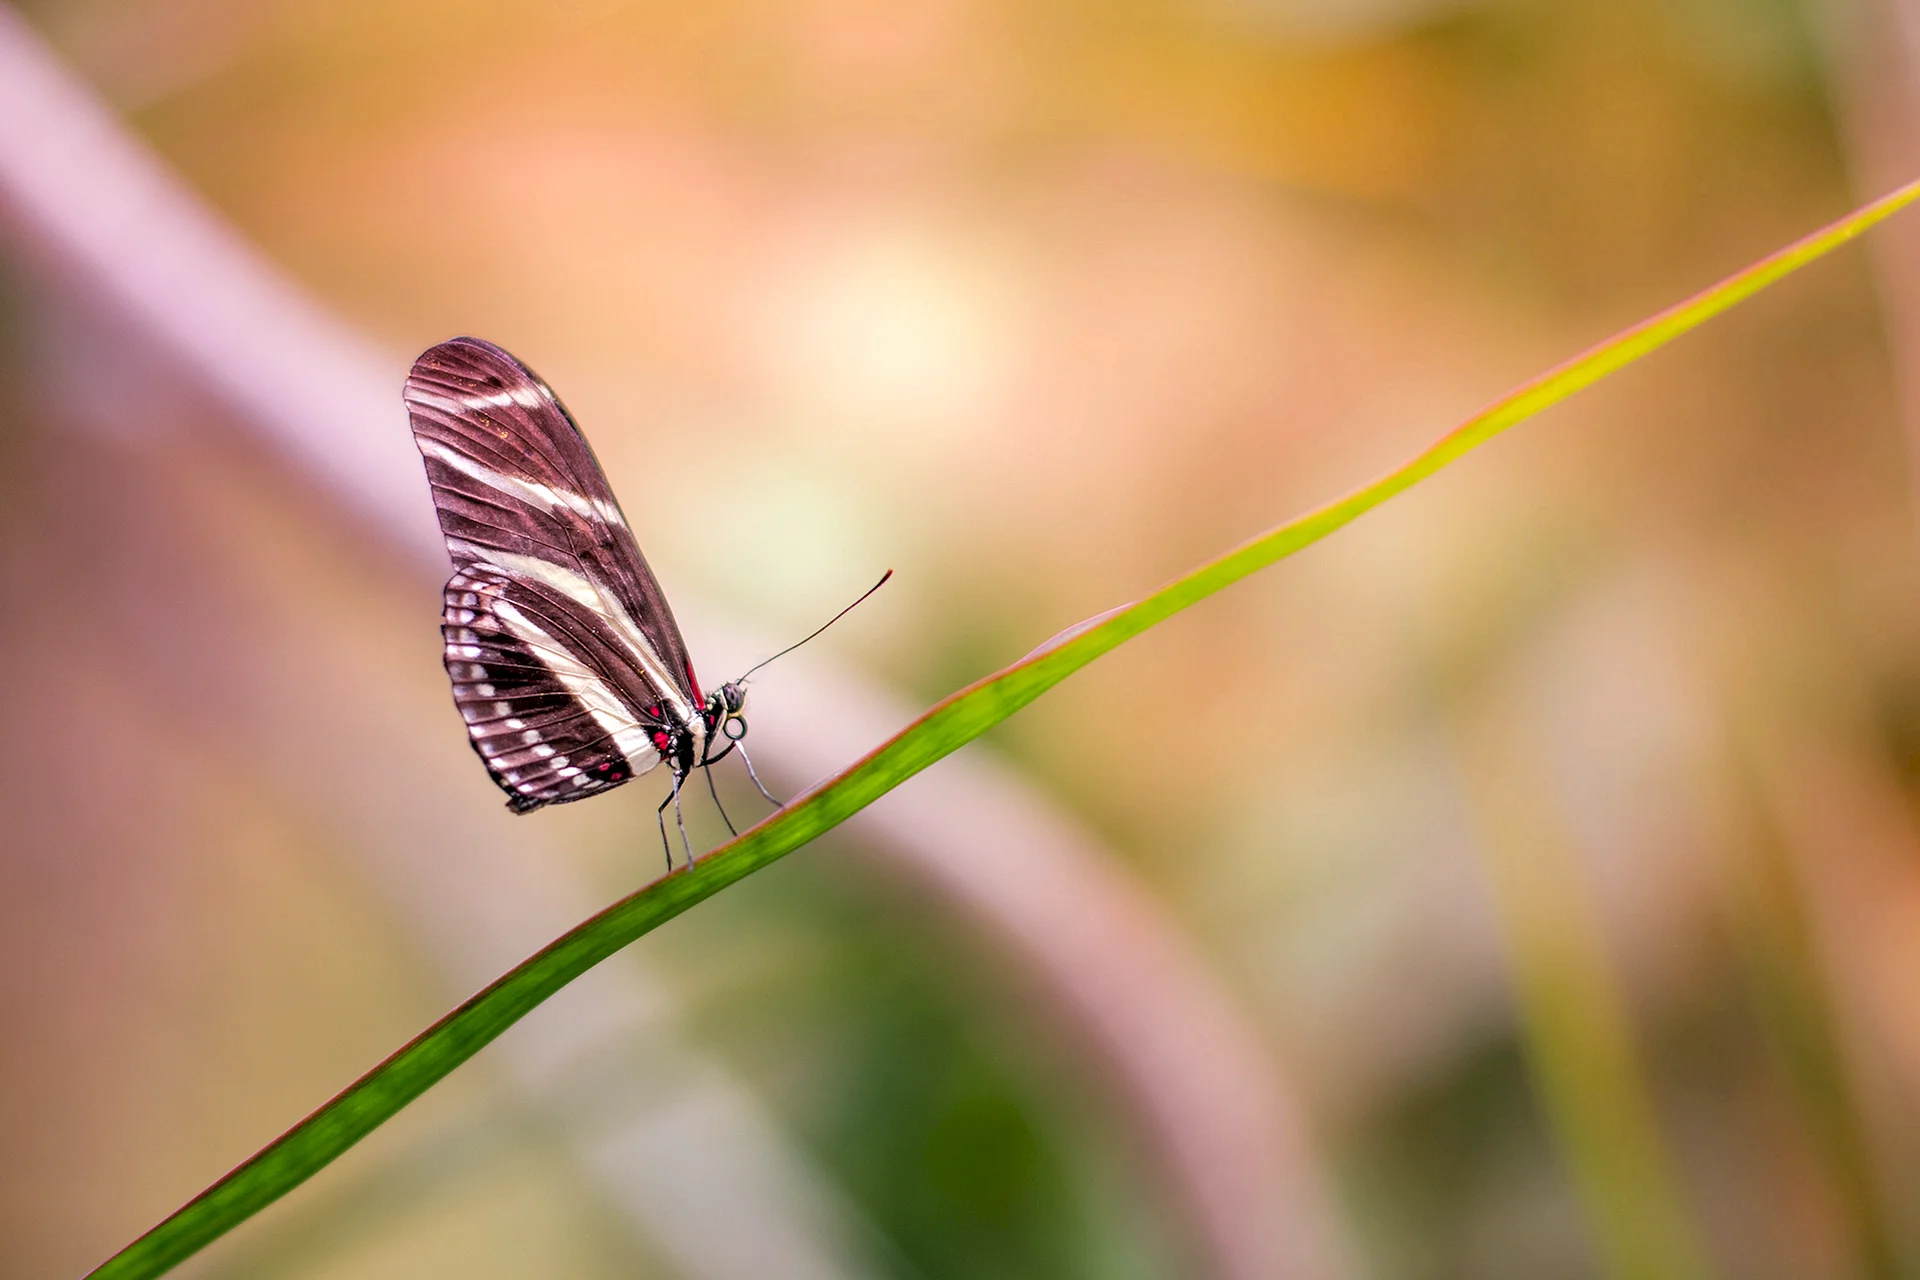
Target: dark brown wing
548 727
564 610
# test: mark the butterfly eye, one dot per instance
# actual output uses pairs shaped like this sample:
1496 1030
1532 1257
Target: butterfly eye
735 728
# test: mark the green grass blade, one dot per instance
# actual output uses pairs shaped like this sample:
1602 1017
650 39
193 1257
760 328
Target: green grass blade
950 724
1587 1071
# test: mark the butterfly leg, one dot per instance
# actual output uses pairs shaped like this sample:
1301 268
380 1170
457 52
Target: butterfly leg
660 815
748 760
716 800
680 820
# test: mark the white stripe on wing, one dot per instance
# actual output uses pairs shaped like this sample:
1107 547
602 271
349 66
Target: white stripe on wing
532 492
588 689
591 595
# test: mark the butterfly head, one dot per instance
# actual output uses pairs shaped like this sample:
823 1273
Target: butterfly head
726 711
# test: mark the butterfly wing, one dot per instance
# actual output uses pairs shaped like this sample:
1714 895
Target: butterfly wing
566 662
549 725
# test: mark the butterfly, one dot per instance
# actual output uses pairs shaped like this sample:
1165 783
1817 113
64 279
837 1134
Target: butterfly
567 664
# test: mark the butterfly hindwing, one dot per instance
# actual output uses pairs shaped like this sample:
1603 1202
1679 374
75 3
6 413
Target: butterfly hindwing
547 727
566 662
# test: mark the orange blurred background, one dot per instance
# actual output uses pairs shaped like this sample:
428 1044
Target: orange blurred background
1551 831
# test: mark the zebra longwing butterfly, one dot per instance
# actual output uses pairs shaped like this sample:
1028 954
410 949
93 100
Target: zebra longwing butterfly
567 665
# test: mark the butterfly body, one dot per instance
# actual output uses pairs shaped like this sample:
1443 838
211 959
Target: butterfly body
567 665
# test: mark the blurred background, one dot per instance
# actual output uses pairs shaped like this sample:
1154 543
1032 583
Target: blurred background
1524 882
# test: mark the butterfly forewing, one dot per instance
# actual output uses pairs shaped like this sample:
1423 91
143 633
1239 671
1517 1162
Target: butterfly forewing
566 662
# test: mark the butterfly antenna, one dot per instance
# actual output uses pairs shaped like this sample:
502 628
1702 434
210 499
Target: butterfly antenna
822 627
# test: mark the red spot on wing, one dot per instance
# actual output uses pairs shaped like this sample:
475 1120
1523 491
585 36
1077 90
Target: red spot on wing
693 683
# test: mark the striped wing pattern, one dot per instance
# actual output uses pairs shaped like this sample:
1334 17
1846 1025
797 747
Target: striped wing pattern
567 665
548 727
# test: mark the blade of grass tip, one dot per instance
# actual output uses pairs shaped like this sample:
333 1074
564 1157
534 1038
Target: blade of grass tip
306 1148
